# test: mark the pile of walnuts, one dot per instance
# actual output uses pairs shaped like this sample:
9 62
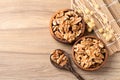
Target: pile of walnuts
67 25
59 57
89 52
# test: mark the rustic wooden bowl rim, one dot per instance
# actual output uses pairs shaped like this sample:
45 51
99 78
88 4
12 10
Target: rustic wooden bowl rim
63 40
89 69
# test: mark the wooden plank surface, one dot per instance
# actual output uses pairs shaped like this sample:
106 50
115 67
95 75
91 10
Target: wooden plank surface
25 43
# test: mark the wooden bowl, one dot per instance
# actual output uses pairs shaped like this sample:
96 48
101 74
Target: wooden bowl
89 69
63 40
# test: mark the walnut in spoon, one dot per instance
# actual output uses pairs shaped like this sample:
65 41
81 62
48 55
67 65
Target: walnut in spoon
60 59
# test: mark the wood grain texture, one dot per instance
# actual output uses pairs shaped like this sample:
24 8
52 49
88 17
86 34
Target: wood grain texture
25 43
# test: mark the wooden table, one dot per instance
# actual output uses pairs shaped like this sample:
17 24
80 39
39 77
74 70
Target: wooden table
25 43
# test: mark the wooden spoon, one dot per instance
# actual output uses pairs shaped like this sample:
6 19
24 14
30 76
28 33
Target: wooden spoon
67 66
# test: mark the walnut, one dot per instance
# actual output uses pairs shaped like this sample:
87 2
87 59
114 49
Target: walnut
107 33
77 20
54 23
58 34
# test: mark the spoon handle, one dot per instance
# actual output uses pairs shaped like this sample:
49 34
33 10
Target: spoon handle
76 74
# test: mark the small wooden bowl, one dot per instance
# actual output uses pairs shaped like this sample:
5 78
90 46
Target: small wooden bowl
63 40
89 69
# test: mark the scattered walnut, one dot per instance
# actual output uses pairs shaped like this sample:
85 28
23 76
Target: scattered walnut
107 33
89 52
59 57
101 30
67 25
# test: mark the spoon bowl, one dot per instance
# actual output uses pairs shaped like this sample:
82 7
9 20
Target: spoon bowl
57 65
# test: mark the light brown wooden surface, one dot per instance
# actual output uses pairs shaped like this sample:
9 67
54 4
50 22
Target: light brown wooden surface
25 43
